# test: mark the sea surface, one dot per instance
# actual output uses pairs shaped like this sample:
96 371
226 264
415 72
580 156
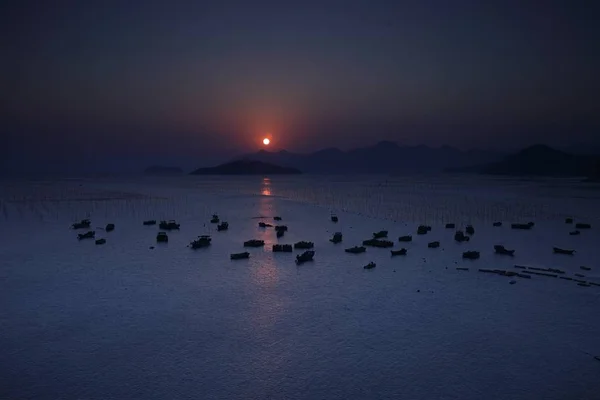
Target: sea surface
124 320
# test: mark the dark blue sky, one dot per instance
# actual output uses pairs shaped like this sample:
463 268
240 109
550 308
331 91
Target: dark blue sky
131 82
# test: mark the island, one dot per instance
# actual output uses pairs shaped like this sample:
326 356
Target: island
162 170
246 167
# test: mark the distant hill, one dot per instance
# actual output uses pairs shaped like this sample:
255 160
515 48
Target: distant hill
246 167
541 160
384 157
161 170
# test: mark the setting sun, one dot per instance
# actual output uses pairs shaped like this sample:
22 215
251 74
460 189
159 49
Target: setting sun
266 141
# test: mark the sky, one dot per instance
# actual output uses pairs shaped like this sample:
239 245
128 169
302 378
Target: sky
124 83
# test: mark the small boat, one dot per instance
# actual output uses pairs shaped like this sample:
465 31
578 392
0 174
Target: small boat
378 243
433 245
470 230
356 249
407 238
497 224
215 219
500 249
401 252
334 218
305 257
370 265
87 235
585 268
450 226
202 241
526 226
84 223
282 248
264 225
575 233
580 225
168 226
337 238
280 233
276 218
162 237
380 234
471 255
459 236
282 228
568 220
558 250
239 256
109 227
423 229
149 222
304 245
100 241
223 226
254 243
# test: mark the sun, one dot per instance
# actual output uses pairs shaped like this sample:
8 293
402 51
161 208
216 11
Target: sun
266 141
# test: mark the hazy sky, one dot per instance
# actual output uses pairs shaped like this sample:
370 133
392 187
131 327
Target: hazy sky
158 80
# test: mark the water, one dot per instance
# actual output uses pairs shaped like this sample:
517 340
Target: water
123 321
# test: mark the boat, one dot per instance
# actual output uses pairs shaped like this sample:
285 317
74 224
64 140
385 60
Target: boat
264 225
276 218
470 230
526 226
370 265
202 241
568 220
574 233
378 243
109 227
380 234
334 218
337 238
239 256
162 237
423 229
100 241
149 222
223 226
84 223
168 226
459 236
471 255
254 243
305 257
500 249
282 228
304 245
558 250
407 238
280 233
356 249
401 252
282 248
215 219
497 224
433 245
581 225
450 226
87 235
585 268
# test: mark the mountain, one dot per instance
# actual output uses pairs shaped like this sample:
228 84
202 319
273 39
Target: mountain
384 157
542 160
161 170
246 167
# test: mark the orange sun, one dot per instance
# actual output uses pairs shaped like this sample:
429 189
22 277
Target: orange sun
266 141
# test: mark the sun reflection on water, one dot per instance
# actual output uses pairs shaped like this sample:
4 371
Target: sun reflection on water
266 187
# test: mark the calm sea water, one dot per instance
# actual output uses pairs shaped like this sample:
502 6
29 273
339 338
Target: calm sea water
123 321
